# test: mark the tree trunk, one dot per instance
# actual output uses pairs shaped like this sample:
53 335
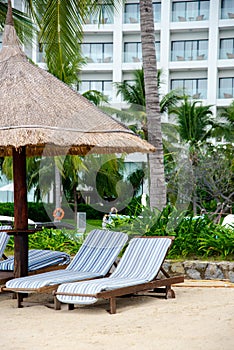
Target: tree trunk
20 213
157 176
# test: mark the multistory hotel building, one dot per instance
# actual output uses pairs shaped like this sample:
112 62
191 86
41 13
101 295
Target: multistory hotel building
194 44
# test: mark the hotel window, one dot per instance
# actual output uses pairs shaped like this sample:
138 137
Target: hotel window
41 56
132 12
18 4
107 16
226 87
226 48
98 52
133 51
189 50
227 9
183 11
196 88
104 86
157 11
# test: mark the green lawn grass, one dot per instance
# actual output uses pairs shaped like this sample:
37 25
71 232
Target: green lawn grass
92 224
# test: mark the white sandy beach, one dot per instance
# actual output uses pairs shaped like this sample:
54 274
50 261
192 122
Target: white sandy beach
199 318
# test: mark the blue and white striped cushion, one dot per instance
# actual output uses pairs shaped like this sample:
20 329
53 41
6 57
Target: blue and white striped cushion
85 264
38 259
98 252
49 279
4 238
140 263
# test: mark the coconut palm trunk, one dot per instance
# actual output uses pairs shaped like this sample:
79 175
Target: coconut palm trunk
157 177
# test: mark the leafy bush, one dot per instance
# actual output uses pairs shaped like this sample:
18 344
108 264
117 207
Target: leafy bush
195 237
60 240
220 243
7 209
36 211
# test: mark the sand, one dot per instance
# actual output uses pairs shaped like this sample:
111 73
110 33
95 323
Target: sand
201 317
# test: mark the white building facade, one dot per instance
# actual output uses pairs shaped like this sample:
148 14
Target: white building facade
194 44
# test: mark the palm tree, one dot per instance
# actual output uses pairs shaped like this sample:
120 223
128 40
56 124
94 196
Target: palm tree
60 26
194 125
157 177
134 94
228 114
194 121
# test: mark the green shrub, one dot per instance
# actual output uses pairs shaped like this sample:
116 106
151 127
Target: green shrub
219 243
7 209
195 237
36 211
61 240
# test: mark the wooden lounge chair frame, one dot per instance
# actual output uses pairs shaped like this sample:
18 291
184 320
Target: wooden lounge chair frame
162 286
42 290
23 293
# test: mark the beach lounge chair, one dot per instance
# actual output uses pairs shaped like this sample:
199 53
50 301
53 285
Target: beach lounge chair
93 260
4 238
136 272
38 260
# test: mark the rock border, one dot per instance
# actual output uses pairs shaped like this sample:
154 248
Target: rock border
201 270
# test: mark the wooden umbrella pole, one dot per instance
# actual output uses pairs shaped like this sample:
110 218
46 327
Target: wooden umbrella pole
20 212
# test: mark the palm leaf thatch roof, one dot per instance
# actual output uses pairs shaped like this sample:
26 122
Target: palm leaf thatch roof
37 109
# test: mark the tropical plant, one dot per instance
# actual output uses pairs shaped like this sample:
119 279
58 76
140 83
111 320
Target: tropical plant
105 171
195 237
193 125
69 169
60 26
134 94
228 114
218 243
96 97
194 121
23 24
215 179
52 239
136 178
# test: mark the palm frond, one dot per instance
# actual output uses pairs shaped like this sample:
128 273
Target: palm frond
61 34
24 26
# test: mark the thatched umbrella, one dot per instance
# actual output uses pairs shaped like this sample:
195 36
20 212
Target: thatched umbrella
38 112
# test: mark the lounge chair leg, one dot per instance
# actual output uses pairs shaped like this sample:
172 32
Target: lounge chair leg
57 304
170 294
70 306
19 300
112 305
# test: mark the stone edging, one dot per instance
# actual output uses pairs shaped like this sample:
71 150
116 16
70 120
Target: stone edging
201 270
